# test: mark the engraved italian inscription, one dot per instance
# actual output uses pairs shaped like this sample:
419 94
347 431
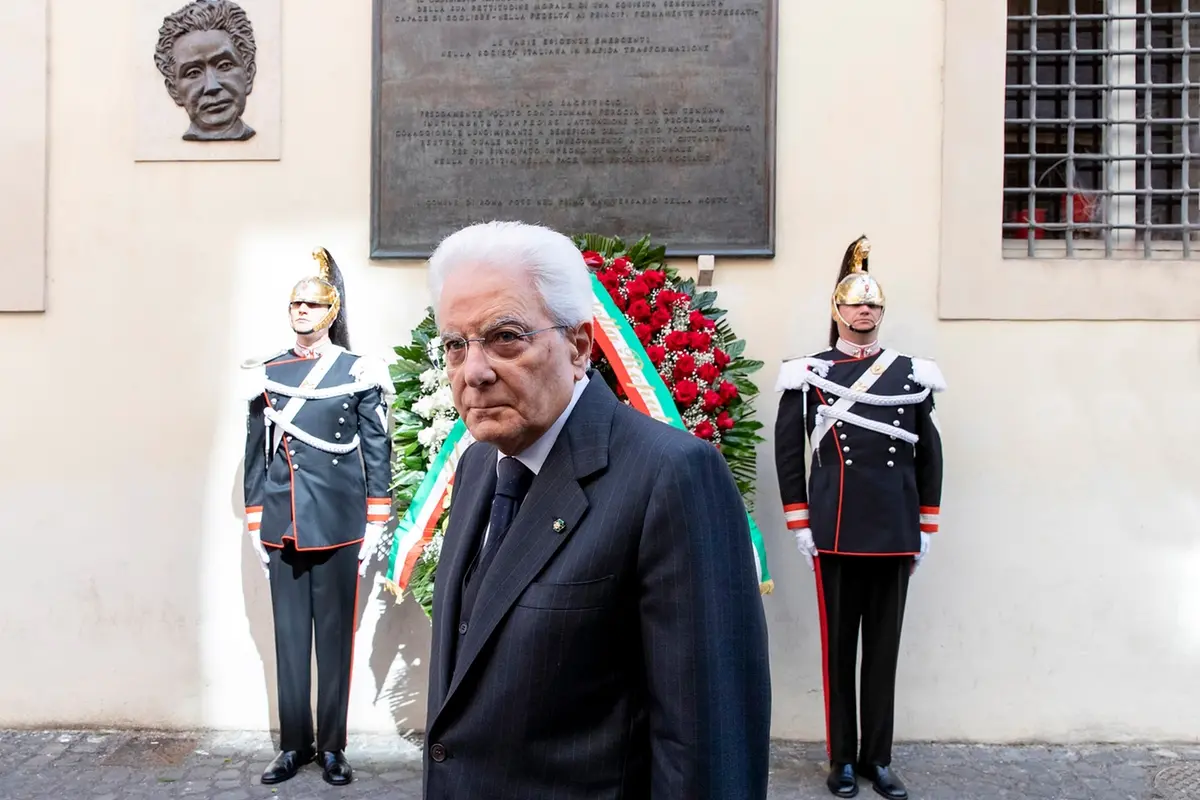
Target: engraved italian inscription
623 117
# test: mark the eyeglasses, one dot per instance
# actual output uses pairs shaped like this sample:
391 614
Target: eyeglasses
502 344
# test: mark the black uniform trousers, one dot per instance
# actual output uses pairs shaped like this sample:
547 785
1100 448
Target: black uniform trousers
867 592
313 591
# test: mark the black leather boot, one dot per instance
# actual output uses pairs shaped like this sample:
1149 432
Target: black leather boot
884 781
286 765
841 780
336 769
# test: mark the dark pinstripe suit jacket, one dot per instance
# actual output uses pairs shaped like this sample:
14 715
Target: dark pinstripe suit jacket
621 656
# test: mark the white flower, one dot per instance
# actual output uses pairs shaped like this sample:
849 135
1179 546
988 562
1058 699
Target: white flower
425 437
430 379
433 548
441 427
424 407
443 399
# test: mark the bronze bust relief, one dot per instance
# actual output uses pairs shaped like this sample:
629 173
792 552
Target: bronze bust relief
206 54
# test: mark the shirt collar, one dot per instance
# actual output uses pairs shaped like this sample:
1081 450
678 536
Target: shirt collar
535 455
312 352
858 351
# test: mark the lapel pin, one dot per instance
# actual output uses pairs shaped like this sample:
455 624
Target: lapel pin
559 526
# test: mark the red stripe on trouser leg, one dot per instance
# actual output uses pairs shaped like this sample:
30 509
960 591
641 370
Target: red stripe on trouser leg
824 650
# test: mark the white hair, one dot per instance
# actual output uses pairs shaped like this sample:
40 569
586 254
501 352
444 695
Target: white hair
552 260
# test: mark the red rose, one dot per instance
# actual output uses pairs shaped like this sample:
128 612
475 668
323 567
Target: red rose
704 430
609 279
668 297
639 310
684 366
637 288
725 421
621 263
698 322
654 278
593 259
644 332
699 341
708 372
728 391
660 318
656 353
721 358
620 302
677 340
686 392
711 400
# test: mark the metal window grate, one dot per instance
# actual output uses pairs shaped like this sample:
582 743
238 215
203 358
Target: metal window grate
1101 144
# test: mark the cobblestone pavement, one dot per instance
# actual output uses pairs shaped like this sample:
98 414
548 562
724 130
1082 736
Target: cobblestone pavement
109 765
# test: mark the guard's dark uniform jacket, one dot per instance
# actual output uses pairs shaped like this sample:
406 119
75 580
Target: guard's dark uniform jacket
877 453
317 449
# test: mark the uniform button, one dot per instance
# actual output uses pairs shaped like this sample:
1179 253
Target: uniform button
899 410
289 438
341 420
437 752
839 423
337 436
890 464
335 462
848 462
895 422
291 452
462 627
345 405
911 378
295 466
843 436
906 387
845 449
891 449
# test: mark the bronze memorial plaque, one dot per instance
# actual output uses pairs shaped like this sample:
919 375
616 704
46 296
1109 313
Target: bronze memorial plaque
620 117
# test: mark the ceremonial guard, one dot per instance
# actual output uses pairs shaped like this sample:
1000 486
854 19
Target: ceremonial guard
864 516
317 486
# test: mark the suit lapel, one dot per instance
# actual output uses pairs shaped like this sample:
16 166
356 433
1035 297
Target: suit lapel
535 535
468 514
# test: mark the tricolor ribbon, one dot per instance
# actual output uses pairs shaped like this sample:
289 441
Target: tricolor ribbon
648 392
417 527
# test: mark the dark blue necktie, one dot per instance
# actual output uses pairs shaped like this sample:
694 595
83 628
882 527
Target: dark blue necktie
512 483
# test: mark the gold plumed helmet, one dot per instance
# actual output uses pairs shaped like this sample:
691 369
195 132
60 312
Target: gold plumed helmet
855 285
322 289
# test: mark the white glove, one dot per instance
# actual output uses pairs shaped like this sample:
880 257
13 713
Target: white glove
804 543
371 537
256 542
924 549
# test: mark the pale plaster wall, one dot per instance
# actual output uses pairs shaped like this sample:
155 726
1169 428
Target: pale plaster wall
1060 602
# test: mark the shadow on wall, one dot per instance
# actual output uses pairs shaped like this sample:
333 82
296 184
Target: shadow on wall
400 671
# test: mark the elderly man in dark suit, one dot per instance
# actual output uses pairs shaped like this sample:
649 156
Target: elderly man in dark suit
598 628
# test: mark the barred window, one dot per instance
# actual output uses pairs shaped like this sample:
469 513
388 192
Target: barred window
1101 147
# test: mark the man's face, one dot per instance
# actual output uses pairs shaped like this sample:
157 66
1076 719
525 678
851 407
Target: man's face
861 318
306 315
211 81
508 403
